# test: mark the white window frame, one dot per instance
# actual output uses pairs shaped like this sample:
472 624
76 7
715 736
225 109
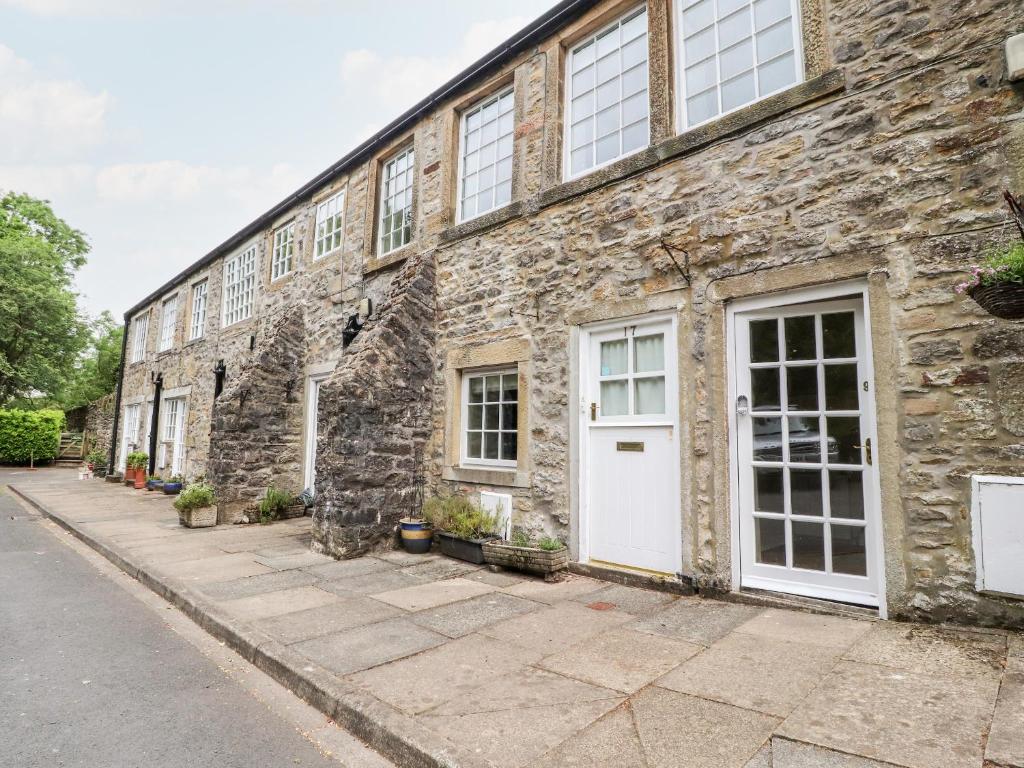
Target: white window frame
568 120
140 329
332 208
464 458
168 322
680 68
478 108
282 257
236 307
199 301
408 189
173 412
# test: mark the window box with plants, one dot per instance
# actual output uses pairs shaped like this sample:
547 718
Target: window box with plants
462 527
196 506
545 557
997 283
173 486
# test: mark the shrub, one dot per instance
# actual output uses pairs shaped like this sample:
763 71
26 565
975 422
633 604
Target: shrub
29 435
1002 266
137 460
273 504
549 544
460 517
196 496
97 458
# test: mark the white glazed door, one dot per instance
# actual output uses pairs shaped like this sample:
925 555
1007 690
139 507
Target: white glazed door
129 433
312 406
178 458
631 483
806 480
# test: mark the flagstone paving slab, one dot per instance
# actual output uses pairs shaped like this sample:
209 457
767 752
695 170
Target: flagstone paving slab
925 649
895 715
680 731
556 628
401 558
1006 739
269 604
338 616
429 679
367 646
697 620
790 754
497 578
621 659
638 602
371 583
433 594
540 590
341 569
759 673
440 568
611 742
466 616
255 585
210 569
287 562
513 719
763 758
809 628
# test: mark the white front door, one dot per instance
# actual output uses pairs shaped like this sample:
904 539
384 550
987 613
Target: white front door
129 433
803 430
178 440
312 405
630 451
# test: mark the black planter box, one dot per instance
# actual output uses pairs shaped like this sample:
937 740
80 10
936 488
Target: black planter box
470 550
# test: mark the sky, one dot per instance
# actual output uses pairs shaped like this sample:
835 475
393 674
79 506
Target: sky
161 127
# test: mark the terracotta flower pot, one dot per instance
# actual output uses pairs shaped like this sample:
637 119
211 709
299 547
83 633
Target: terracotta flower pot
140 480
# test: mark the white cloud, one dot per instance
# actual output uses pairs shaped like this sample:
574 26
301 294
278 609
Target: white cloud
46 118
391 84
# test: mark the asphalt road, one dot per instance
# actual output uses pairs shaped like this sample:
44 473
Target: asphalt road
92 677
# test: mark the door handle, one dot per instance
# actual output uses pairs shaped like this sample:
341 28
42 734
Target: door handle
867 450
742 405
593 411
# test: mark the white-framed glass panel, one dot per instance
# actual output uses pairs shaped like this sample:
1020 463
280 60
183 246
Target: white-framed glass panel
198 326
490 417
485 155
396 187
129 433
239 286
173 438
607 102
140 328
281 260
631 376
330 221
732 53
168 322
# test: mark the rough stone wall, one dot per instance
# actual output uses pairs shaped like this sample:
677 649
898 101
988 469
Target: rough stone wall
99 420
374 421
255 438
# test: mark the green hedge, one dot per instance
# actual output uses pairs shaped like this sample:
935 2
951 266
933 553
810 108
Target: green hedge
28 435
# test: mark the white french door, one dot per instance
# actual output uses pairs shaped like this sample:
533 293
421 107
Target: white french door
803 429
313 384
630 452
129 433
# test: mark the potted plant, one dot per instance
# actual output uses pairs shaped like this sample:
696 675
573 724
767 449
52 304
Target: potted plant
417 535
141 462
545 557
462 526
154 483
97 463
997 283
173 486
196 507
274 505
129 468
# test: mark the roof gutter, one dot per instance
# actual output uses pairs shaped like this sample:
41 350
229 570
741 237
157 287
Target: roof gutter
531 34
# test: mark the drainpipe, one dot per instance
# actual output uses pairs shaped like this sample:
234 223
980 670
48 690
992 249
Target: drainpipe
112 453
158 385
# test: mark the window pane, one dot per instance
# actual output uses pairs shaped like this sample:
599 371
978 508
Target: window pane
510 387
649 397
849 554
800 342
634 108
613 357
738 91
636 136
608 95
697 17
582 158
649 353
491 415
802 387
846 494
808 545
777 74
509 416
805 492
503 193
774 41
607 148
607 41
634 52
841 387
770 541
843 440
583 56
767 438
765 390
508 446
614 398
768 490
837 335
634 80
583 80
699 47
476 417
767 12
608 121
476 389
608 67
582 106
804 439
764 341
701 107
491 445
733 28
474 445
703 75
634 27
737 59
492 389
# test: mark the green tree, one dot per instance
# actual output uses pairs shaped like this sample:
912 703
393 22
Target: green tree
95 373
41 330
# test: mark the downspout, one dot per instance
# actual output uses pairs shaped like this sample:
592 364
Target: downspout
158 385
112 453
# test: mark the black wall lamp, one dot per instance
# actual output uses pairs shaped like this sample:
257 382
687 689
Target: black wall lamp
356 322
219 372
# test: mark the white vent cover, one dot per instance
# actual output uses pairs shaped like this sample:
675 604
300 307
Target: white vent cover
493 502
997 514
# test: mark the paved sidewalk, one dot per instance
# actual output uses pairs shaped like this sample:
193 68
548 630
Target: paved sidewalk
436 662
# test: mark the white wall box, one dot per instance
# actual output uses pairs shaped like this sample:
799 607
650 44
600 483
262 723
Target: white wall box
997 522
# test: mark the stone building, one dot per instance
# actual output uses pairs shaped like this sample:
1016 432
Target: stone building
673 280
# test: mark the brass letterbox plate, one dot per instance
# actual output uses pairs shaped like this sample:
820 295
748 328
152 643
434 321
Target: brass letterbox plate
634 447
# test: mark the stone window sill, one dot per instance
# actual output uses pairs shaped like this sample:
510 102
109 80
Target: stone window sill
482 223
509 478
375 264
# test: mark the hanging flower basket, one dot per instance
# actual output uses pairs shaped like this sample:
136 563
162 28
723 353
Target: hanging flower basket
1005 300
